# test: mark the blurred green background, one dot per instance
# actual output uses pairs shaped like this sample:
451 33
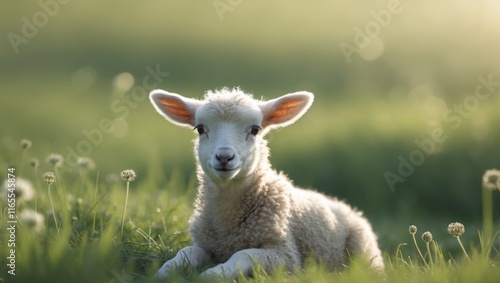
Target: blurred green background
384 73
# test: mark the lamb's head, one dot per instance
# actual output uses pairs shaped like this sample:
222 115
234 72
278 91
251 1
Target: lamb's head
231 126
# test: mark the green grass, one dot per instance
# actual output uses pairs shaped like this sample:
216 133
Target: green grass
86 246
342 135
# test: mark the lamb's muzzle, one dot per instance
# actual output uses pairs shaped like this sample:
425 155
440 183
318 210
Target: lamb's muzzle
224 155
246 213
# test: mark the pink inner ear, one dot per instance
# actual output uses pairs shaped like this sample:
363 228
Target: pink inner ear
176 109
284 112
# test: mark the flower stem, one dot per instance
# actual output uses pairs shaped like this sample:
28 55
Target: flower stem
53 211
35 174
420 253
95 201
124 210
429 253
463 249
23 154
487 213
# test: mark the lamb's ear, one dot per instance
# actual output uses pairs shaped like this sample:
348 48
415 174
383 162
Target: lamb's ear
176 108
285 110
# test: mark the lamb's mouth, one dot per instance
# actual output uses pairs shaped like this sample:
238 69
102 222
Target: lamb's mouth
225 169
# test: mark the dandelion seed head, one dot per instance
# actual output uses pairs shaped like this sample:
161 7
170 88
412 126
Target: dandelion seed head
23 190
491 180
55 159
427 236
128 175
25 144
32 219
412 229
456 229
85 163
34 162
49 177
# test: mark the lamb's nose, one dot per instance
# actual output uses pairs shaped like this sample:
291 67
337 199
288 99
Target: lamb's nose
224 158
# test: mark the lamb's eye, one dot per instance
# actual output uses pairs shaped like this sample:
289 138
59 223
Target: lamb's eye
255 130
200 129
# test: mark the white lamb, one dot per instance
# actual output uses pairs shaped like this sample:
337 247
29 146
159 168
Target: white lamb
245 212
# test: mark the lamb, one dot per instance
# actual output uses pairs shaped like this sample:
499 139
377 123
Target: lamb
245 212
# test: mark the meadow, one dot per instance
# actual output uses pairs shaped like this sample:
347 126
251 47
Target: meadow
83 226
404 126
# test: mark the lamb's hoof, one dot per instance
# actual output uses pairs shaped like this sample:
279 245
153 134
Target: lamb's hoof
160 276
165 271
217 272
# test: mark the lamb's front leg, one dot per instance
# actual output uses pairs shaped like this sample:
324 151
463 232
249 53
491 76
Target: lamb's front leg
244 261
188 256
